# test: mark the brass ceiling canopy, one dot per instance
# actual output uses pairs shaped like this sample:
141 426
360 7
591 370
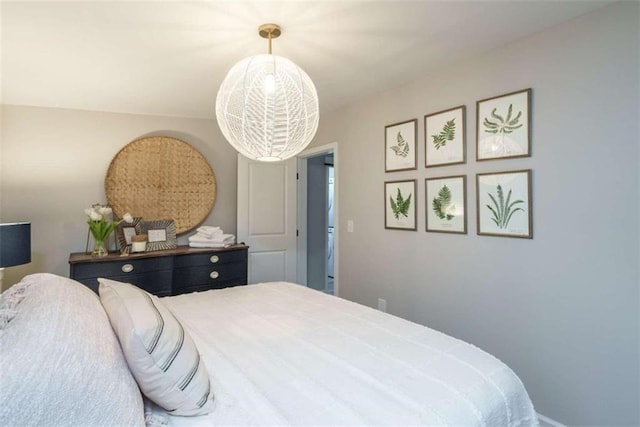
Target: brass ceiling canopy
269 31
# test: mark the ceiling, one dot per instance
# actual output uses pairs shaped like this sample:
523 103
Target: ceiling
169 57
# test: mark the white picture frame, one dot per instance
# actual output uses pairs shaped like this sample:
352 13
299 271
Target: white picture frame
445 137
503 204
400 146
400 201
503 126
445 204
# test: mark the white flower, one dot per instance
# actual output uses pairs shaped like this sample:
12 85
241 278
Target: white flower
95 216
88 212
127 218
103 210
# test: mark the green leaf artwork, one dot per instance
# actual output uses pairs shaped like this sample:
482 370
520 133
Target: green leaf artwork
502 210
401 205
442 206
500 124
402 149
447 133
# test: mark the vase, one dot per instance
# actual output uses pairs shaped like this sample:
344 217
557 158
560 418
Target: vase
100 249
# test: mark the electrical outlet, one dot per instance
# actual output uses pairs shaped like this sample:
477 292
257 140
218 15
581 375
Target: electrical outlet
382 304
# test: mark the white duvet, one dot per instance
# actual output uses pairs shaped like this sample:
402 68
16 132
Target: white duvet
282 354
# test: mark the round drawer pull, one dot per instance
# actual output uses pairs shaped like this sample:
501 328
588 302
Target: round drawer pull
214 259
127 268
214 275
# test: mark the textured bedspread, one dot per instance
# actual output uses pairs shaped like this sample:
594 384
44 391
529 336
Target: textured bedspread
282 354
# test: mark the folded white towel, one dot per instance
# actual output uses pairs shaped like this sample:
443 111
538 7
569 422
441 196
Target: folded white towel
209 231
209 245
223 238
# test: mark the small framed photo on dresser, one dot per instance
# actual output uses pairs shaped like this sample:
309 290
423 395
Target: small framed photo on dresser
125 231
161 234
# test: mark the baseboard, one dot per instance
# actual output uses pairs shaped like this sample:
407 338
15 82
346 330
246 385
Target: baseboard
548 422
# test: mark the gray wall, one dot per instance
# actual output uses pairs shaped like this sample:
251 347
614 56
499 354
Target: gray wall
561 309
53 163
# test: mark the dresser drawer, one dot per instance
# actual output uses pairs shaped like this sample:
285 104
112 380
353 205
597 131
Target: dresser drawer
120 268
210 259
155 282
209 277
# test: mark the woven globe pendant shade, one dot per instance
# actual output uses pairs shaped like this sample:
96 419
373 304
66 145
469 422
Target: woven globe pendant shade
267 108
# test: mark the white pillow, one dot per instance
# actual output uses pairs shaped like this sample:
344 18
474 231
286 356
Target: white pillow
60 362
161 355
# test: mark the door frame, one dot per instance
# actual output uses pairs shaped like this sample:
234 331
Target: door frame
301 272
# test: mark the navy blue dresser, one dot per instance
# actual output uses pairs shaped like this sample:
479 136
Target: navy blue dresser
168 272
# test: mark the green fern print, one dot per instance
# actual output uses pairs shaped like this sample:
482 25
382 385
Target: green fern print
501 124
502 210
401 205
447 134
402 149
441 205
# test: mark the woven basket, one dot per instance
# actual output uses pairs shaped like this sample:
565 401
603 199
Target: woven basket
160 178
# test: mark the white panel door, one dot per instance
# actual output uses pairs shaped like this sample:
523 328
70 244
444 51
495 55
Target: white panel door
267 218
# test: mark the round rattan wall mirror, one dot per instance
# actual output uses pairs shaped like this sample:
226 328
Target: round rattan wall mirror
160 178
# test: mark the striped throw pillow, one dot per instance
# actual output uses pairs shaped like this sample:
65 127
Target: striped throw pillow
160 353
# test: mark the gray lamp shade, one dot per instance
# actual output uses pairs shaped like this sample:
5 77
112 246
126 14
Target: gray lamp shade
15 244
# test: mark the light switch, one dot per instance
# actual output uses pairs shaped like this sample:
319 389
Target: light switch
350 226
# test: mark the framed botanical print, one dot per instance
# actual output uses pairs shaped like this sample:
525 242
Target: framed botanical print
400 205
446 208
444 137
400 146
504 204
503 126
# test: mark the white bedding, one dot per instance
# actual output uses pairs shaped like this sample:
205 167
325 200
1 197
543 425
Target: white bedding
282 354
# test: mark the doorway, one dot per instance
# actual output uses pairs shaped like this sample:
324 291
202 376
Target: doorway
317 219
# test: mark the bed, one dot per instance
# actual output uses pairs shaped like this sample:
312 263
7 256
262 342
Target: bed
274 354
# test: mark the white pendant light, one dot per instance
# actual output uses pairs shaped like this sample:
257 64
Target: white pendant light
267 106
